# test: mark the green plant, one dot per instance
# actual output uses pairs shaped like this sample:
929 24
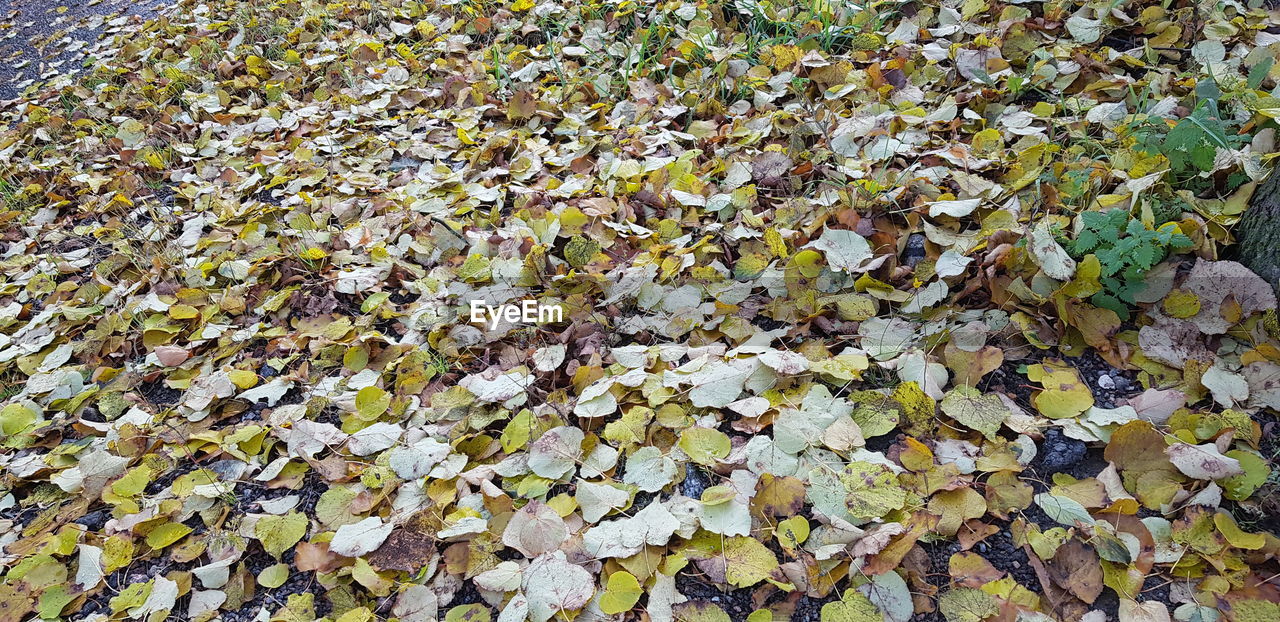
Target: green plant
1193 142
1125 249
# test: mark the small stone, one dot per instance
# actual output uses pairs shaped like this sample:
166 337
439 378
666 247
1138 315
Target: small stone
914 252
1059 453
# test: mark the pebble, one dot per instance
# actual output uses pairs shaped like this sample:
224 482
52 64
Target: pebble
915 251
695 481
1059 453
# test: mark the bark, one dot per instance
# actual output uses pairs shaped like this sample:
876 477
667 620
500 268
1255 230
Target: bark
1259 231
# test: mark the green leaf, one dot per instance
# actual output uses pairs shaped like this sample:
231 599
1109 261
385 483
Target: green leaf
984 413
1065 510
373 301
1256 471
1094 220
748 562
1255 611
53 600
1259 72
1085 242
166 534
792 532
705 446
852 607
872 490
621 593
131 596
580 251
16 419
371 402
966 604
474 612
1145 256
279 533
475 269
274 576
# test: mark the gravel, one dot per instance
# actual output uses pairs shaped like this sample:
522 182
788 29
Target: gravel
1059 453
43 38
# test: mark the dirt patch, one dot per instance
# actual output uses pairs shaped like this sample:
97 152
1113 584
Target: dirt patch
737 603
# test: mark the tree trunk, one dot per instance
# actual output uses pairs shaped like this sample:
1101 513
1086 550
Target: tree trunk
1259 231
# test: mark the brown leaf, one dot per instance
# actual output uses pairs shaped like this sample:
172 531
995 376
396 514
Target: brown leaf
1076 567
891 555
778 496
769 167
972 570
974 531
1056 599
317 557
15 602
970 367
172 356
408 548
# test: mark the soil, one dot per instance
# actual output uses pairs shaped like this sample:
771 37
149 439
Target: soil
809 609
915 249
1108 602
20 515
1107 383
1008 380
157 393
737 603
695 481
1058 453
466 595
999 549
1263 512
181 467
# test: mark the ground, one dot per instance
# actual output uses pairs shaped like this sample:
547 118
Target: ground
42 38
880 311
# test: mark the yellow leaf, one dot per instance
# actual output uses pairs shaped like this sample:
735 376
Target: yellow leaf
792 532
748 561
1085 282
183 312
1064 394
1181 303
785 56
1236 536
621 594
166 534
243 378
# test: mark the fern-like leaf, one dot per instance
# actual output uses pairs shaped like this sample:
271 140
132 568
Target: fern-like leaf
1144 256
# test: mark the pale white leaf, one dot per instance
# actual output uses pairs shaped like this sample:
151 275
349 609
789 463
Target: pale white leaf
1202 461
957 208
375 438
552 584
360 538
556 452
1049 255
417 459
845 250
535 529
